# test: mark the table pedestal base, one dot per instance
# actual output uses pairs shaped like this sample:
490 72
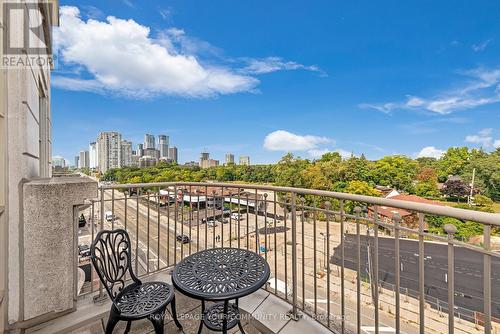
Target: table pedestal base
214 316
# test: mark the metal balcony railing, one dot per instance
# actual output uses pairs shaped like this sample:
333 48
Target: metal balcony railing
332 256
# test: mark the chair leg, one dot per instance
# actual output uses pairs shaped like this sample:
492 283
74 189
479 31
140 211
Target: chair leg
127 330
158 322
174 314
241 328
112 321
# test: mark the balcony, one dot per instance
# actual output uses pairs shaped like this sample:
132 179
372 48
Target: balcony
333 258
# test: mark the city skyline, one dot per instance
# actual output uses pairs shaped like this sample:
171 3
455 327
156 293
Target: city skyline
154 141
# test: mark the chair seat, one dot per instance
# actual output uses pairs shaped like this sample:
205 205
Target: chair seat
141 300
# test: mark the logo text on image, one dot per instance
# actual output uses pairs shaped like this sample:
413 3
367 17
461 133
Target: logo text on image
26 35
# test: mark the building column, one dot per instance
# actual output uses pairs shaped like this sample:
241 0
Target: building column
48 246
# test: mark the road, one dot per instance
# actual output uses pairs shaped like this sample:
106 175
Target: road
468 270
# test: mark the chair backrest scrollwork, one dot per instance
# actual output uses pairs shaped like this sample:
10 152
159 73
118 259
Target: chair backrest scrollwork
111 257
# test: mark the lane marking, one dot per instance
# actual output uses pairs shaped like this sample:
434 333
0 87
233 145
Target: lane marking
369 329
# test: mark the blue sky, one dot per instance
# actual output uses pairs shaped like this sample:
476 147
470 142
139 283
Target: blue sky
262 78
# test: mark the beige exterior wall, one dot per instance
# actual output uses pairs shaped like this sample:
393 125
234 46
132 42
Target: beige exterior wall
25 150
3 191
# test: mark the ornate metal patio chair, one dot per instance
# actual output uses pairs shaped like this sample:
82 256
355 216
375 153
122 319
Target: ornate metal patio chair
111 257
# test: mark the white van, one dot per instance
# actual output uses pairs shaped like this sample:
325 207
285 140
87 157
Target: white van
109 216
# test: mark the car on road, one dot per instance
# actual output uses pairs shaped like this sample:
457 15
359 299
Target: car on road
236 216
109 216
211 223
183 238
84 250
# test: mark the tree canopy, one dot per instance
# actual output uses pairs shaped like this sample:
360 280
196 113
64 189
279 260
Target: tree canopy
332 172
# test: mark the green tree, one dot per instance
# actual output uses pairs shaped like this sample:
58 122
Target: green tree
397 171
427 183
357 169
487 178
288 171
483 201
359 188
453 162
331 156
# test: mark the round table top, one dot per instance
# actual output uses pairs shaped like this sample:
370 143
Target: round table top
220 274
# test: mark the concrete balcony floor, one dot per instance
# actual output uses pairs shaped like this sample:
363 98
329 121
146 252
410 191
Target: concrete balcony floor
189 311
261 312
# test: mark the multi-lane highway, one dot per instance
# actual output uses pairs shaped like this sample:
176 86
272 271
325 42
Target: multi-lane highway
468 270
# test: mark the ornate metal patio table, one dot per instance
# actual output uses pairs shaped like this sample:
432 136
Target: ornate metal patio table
220 275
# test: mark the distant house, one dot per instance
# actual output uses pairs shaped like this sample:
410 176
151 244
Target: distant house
408 218
387 192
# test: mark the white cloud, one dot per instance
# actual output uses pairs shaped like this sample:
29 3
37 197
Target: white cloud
481 89
165 13
124 59
483 138
128 3
121 57
481 46
273 64
282 140
430 152
385 108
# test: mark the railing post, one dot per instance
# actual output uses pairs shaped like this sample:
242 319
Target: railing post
101 297
487 280
328 207
294 314
342 265
451 229
396 218
357 212
421 275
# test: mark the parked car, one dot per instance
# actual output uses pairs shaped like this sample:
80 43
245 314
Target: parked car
183 238
211 223
109 216
82 221
84 250
236 216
